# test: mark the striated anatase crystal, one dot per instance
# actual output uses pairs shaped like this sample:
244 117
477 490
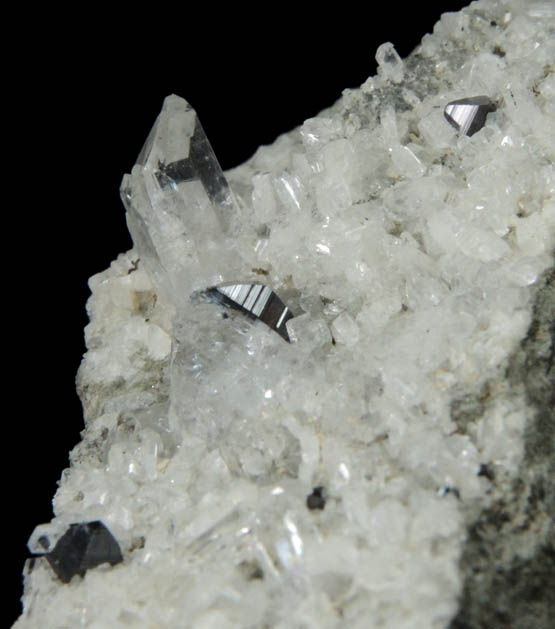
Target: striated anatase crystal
468 115
258 301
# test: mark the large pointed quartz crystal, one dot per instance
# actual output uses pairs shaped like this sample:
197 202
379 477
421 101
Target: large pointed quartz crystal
468 115
180 208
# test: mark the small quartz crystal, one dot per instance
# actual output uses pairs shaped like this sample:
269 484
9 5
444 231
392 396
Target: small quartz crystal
308 332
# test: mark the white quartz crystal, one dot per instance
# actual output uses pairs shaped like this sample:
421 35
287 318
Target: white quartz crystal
409 256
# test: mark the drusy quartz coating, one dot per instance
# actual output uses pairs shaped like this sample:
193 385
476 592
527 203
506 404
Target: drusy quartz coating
258 301
468 115
83 546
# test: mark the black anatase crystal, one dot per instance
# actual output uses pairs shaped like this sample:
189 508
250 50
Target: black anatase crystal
257 301
468 115
83 546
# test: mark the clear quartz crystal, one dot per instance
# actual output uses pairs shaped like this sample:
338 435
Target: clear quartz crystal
180 209
345 330
390 65
308 332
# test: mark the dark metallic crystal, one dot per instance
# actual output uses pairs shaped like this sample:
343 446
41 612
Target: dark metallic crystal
316 500
83 546
468 115
257 301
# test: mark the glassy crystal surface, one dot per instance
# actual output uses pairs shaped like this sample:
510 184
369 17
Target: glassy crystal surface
179 205
468 115
84 546
308 332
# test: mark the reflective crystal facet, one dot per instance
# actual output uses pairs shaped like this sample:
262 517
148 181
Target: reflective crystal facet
258 301
83 546
468 115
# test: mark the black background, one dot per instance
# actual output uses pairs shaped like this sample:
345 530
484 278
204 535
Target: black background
86 90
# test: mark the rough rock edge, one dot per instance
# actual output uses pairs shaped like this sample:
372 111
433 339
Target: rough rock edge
508 561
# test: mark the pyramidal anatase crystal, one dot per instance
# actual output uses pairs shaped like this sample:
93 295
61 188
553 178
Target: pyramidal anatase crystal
83 546
468 115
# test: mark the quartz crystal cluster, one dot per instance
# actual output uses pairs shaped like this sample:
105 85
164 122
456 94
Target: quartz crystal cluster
327 481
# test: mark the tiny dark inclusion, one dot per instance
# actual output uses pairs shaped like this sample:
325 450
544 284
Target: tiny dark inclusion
316 500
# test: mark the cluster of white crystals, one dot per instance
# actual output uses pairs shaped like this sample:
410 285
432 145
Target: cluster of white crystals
408 255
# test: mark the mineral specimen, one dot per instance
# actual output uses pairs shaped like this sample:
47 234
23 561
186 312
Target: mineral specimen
363 474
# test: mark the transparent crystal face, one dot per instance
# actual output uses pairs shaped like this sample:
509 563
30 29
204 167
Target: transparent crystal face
179 204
